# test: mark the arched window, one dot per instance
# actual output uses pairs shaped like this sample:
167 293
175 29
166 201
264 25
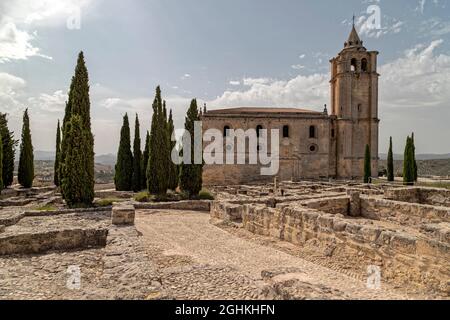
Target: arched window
353 65
333 133
312 132
226 131
258 130
286 132
364 65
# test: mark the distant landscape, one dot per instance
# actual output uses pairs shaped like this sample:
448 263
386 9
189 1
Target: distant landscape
429 165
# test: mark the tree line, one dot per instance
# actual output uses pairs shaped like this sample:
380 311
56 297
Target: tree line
153 169
410 171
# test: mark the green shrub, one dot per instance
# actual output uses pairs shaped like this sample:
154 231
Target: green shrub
143 197
47 207
205 195
107 202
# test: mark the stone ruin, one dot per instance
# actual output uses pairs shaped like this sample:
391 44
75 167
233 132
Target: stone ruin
403 230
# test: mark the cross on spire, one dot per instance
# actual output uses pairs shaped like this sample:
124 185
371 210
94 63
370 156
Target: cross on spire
354 19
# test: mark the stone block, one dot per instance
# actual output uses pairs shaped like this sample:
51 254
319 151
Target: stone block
355 203
123 215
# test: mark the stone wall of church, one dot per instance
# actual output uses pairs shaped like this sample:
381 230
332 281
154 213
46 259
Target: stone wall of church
300 155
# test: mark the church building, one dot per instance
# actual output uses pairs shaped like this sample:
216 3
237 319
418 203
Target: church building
313 145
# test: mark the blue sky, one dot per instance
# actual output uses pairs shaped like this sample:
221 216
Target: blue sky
225 53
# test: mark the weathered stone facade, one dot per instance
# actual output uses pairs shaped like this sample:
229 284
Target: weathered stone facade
312 144
409 241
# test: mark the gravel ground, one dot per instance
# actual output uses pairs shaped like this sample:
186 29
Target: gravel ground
198 260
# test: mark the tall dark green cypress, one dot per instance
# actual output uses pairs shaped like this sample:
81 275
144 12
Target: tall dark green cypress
75 174
57 156
191 174
124 167
144 164
408 163
390 163
173 177
157 169
78 104
9 151
26 160
137 158
414 164
367 165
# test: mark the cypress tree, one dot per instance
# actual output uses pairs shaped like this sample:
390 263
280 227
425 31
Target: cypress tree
157 169
9 151
79 104
173 177
408 164
57 156
75 175
124 166
414 164
191 174
390 163
144 164
1 161
26 160
137 158
367 165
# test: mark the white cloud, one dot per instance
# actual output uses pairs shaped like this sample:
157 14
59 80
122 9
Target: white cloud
42 11
16 44
235 83
185 76
255 81
297 67
54 102
302 91
302 56
419 78
10 87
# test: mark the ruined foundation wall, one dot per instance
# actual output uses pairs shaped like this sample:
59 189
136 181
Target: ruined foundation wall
401 212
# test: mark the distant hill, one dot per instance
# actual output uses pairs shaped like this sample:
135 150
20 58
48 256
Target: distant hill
106 159
383 156
438 167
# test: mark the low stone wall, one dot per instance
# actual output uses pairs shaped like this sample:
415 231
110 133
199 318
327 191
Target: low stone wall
39 242
194 205
227 211
103 194
404 213
402 255
430 196
15 218
330 205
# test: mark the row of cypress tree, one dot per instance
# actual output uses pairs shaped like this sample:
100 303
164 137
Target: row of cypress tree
154 169
7 154
410 171
74 159
8 146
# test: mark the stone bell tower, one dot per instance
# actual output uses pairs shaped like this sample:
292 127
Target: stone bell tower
354 101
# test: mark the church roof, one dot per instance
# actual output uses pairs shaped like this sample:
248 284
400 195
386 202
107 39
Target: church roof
260 110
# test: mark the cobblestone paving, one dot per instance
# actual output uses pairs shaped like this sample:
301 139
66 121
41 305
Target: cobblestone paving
198 260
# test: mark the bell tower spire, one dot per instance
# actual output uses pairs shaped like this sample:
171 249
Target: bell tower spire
354 104
353 39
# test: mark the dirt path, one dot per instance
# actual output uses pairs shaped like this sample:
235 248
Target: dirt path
198 261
